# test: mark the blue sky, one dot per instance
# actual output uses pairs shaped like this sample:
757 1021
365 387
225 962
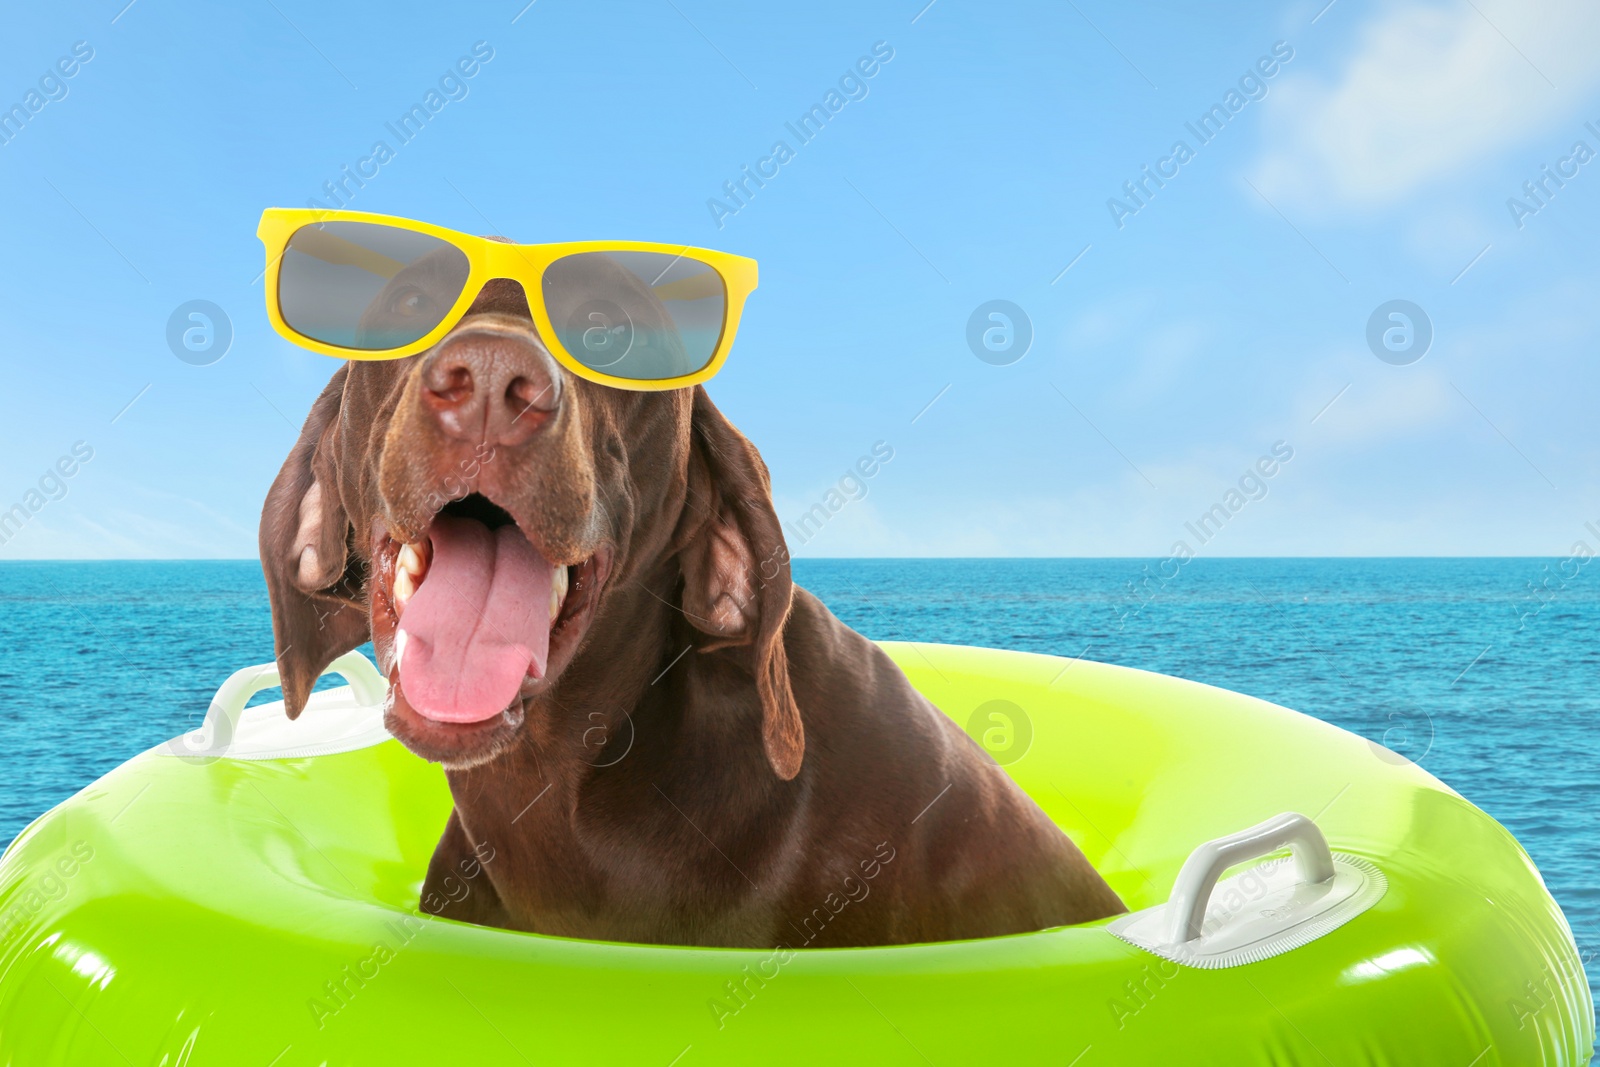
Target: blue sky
1225 315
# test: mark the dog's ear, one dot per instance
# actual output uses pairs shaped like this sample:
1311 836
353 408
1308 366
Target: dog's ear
305 531
736 584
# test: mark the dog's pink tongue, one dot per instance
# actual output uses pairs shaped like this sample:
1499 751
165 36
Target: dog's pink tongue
478 623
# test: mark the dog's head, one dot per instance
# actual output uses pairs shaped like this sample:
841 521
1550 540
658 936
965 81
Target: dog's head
478 510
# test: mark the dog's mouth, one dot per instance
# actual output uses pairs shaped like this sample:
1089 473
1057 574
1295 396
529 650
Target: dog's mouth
477 615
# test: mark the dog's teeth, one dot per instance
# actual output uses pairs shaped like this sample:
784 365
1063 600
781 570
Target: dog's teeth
410 565
399 646
558 592
404 586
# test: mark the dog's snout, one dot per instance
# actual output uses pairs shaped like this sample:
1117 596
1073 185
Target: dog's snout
490 386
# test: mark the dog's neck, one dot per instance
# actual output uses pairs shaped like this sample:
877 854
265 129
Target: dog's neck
627 708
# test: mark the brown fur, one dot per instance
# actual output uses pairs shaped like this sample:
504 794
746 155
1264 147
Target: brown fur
712 757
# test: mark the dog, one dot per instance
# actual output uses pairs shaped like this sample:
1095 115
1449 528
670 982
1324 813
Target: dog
703 755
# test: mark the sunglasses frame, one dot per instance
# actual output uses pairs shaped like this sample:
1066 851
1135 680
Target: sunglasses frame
525 264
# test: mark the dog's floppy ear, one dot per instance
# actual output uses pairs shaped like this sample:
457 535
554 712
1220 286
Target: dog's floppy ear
736 585
305 532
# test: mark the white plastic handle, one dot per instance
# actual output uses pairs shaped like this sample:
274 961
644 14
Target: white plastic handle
222 717
1191 894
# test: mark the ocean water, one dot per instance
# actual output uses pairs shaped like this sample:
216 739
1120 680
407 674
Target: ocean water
1484 671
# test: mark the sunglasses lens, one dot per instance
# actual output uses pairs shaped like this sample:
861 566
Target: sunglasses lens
647 316
368 287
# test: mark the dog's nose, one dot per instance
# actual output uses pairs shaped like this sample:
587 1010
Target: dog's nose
489 385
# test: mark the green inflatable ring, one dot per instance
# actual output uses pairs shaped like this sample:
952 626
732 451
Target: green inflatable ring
225 901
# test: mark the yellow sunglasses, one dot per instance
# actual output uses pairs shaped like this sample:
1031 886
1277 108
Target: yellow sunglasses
628 314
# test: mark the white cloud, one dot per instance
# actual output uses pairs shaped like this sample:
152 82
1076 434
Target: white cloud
1428 90
67 531
1378 407
1163 354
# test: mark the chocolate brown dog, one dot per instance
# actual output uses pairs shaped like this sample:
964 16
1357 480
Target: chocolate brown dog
699 753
